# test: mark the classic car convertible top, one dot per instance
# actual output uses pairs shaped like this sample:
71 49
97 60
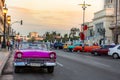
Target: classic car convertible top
31 55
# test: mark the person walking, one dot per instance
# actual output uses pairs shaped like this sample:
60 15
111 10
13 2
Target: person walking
11 45
8 44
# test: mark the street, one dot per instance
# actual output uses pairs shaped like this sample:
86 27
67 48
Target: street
70 66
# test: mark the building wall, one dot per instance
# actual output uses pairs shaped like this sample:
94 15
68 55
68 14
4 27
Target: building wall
113 26
103 19
108 3
106 18
1 18
34 34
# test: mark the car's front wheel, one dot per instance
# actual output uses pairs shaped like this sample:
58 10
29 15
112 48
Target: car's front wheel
78 51
115 56
50 69
17 70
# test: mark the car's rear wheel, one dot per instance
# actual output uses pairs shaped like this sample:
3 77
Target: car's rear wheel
115 56
78 51
17 69
95 53
50 69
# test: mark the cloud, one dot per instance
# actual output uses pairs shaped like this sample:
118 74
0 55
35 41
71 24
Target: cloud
46 20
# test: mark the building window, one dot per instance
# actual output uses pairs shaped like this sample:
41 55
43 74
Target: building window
91 33
111 1
98 27
108 1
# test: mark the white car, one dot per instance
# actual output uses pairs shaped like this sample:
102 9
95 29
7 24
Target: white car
114 52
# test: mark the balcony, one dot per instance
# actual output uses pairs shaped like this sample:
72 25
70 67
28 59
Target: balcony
104 13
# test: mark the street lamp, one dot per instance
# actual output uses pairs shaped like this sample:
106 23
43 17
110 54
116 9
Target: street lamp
84 6
8 22
4 32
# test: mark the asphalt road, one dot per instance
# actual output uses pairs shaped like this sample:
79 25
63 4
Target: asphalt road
70 66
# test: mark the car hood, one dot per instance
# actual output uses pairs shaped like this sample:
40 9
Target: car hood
35 53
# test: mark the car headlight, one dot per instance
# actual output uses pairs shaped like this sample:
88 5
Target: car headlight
19 55
52 55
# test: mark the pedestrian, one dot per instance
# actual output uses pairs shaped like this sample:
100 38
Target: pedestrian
11 45
8 44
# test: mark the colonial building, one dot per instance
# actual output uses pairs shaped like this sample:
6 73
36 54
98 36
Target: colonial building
33 34
115 26
101 23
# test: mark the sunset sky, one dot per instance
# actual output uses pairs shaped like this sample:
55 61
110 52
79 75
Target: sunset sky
50 15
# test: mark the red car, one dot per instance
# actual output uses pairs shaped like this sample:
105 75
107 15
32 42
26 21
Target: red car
102 51
86 48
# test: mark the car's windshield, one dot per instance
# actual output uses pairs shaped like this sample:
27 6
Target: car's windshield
39 46
107 46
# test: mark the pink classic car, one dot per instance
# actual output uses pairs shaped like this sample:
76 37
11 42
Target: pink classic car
34 55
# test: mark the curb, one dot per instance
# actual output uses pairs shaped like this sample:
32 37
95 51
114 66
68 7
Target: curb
4 60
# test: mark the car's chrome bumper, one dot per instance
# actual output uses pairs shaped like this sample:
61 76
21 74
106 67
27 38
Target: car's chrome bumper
37 64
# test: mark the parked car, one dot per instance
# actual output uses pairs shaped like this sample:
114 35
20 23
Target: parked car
87 48
71 47
114 52
34 55
77 48
65 46
58 45
103 50
90 48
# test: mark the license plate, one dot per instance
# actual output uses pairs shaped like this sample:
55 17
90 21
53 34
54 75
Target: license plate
35 64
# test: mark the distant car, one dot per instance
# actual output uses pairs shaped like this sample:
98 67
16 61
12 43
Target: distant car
103 50
90 48
77 48
34 55
65 46
58 45
71 47
86 48
114 52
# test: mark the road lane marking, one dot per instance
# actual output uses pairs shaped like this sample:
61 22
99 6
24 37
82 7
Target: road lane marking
59 64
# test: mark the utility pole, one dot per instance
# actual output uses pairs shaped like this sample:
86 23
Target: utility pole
84 6
116 27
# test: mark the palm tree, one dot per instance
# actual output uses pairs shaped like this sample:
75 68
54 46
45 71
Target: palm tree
65 37
73 32
54 33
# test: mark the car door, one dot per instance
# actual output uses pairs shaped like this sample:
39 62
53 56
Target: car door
104 49
118 50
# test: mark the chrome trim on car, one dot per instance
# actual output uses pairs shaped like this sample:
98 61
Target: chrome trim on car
19 63
50 64
28 64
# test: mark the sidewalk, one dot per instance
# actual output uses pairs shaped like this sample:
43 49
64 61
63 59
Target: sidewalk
4 55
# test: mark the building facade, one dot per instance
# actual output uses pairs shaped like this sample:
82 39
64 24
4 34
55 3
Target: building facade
115 26
1 18
33 34
98 30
